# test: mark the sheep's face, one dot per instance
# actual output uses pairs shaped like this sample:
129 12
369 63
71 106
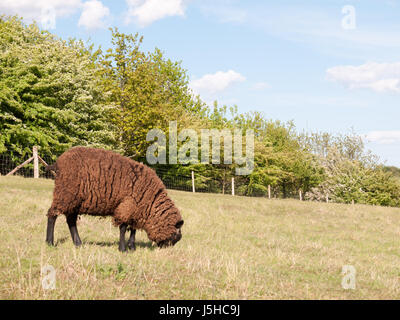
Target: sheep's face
176 235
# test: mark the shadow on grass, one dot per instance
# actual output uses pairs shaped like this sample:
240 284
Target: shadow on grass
62 240
139 244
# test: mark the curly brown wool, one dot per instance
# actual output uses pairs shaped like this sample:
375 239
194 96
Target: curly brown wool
103 183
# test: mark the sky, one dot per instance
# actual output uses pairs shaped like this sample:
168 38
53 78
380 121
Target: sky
331 65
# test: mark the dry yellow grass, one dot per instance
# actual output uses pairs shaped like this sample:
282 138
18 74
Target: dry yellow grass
232 248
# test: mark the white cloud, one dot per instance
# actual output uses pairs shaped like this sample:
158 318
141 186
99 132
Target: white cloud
93 14
261 86
219 81
380 77
34 10
384 137
145 12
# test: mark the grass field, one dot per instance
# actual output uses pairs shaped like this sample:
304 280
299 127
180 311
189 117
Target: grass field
232 248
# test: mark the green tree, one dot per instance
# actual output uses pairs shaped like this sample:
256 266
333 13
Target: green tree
352 174
146 91
49 93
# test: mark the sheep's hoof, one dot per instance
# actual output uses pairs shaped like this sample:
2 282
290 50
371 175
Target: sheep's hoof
50 244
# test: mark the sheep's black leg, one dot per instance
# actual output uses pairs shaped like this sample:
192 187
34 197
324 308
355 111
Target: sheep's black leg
122 244
131 241
71 220
51 221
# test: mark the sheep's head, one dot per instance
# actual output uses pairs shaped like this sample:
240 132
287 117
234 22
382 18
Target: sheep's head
174 237
164 222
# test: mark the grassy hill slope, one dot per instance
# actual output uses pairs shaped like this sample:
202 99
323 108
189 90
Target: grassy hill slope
232 248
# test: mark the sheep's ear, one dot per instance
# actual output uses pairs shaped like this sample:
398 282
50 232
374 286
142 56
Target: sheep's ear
179 224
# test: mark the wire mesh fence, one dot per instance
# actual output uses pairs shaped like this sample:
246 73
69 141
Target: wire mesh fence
7 164
171 179
176 182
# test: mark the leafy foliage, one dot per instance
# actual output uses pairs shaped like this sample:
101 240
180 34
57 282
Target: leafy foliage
146 90
57 94
353 175
48 93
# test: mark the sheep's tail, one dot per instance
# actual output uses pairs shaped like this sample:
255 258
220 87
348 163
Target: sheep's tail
52 167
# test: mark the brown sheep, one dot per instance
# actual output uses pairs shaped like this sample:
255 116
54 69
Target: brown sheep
103 183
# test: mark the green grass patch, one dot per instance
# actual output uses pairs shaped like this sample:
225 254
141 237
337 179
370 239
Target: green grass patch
232 248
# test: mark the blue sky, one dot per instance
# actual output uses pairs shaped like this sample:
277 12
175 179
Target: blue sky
328 65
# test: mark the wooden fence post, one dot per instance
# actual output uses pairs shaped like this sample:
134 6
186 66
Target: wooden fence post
194 190
233 186
300 195
35 162
327 198
269 192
